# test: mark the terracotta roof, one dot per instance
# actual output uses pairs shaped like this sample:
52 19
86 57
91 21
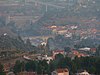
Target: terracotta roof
62 70
59 51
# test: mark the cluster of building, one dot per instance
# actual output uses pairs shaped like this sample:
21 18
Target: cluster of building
56 72
59 71
82 52
70 30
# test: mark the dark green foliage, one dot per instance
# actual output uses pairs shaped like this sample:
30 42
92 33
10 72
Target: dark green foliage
30 66
87 63
28 45
98 51
17 67
59 56
61 64
91 64
2 70
2 73
86 43
52 65
97 66
43 67
67 49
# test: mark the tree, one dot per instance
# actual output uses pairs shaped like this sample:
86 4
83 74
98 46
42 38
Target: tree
2 70
17 67
45 66
98 51
97 66
28 44
39 69
59 56
67 49
31 66
61 63
52 65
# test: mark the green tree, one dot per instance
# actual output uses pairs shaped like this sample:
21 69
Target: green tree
59 56
31 66
67 49
45 66
98 51
17 67
2 70
28 44
62 63
97 66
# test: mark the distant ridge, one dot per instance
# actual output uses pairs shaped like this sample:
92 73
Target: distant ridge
7 30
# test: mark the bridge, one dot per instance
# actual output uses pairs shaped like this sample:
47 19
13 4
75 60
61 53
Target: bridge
35 37
44 3
29 2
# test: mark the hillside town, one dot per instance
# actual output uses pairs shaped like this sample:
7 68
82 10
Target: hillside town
43 61
49 37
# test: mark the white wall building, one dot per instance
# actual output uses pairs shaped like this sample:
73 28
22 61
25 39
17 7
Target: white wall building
60 72
83 73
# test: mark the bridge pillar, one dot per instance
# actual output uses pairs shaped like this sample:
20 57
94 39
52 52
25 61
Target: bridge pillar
36 3
46 8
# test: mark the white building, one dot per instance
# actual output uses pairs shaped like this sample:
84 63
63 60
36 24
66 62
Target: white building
85 49
47 58
44 57
83 73
60 72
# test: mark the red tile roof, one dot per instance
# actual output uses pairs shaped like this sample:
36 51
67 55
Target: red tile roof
61 70
59 51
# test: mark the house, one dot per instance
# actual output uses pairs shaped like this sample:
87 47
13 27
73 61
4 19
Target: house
60 72
83 73
93 50
45 57
7 67
27 73
10 73
85 49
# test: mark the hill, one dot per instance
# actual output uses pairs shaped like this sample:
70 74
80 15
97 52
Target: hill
9 43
